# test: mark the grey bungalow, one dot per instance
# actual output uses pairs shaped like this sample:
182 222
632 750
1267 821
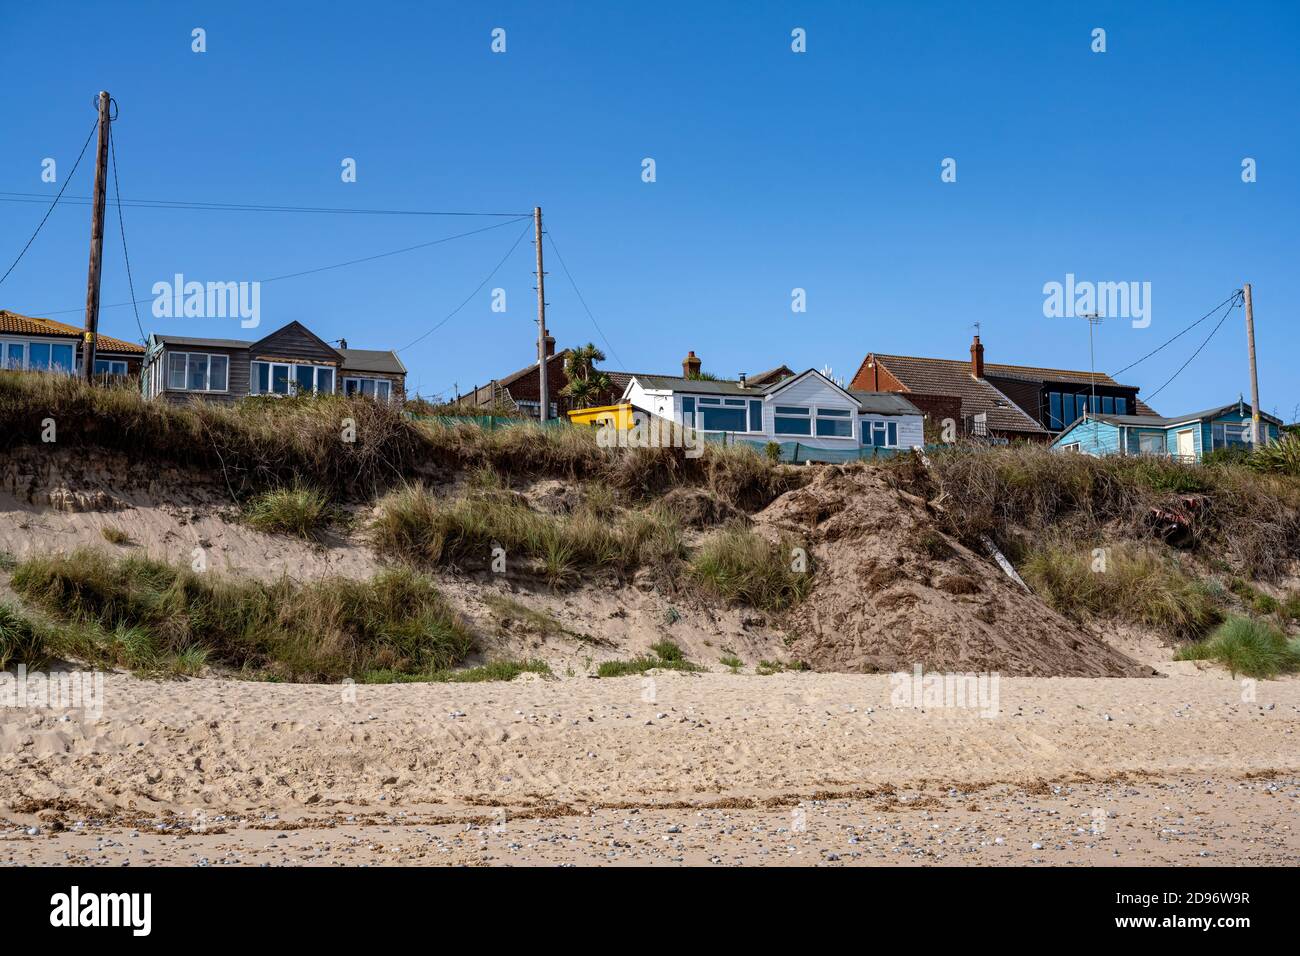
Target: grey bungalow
292 360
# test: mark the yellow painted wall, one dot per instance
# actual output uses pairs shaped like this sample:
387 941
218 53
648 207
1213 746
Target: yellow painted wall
620 416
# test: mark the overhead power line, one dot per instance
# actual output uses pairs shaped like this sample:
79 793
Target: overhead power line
67 179
479 288
336 265
117 191
255 207
1228 311
1179 335
550 235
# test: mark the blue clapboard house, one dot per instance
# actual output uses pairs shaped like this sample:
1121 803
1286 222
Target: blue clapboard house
1187 437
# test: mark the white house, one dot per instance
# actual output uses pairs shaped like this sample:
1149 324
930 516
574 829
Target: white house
807 408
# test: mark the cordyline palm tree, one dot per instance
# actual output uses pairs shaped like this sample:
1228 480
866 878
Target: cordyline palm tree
586 382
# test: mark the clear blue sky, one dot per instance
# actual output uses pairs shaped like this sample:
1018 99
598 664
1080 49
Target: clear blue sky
775 171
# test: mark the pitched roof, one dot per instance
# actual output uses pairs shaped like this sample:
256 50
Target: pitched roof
1030 373
1164 421
884 403
372 360
11 323
620 379
530 367
201 342
774 374
699 386
951 377
881 403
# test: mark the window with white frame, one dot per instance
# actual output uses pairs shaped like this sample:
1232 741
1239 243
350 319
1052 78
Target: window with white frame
879 434
834 422
110 367
1151 443
285 378
197 372
37 356
1230 434
792 420
380 389
718 414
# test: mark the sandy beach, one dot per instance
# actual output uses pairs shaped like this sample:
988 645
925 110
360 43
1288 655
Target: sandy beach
685 769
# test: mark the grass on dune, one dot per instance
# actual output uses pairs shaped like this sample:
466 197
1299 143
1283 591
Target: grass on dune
22 641
1251 517
294 509
1136 585
740 565
135 611
1248 647
665 655
415 524
504 670
354 446
339 444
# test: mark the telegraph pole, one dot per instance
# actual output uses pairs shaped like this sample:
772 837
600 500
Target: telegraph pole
1254 375
544 402
96 241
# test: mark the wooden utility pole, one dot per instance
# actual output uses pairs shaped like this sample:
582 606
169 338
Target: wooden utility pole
544 397
96 241
1254 375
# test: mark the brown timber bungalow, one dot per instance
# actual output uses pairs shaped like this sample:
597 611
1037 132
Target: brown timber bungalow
292 360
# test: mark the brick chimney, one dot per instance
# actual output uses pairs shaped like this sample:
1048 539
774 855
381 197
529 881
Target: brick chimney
690 365
550 345
977 358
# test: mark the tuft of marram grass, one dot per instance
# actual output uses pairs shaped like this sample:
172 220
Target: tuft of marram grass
22 641
1137 585
1246 646
134 610
414 524
665 655
739 565
295 509
115 535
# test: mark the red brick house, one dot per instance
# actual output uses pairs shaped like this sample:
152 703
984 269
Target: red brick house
1021 402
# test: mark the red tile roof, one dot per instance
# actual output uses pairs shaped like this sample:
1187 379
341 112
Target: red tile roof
946 377
953 377
12 323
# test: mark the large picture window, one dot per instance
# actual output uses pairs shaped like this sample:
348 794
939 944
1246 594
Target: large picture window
834 423
729 414
282 378
792 420
197 372
1151 443
38 356
380 389
1064 408
1230 434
